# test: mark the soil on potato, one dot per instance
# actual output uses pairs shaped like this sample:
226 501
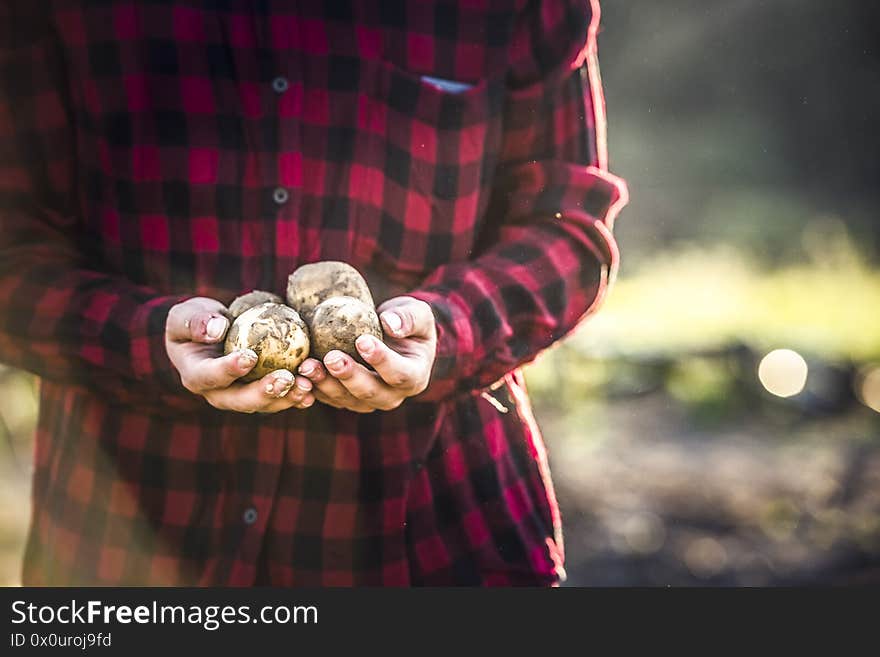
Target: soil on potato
271 326
338 322
336 282
251 299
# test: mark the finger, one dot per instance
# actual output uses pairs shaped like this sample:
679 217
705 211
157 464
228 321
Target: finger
360 382
352 405
190 322
326 384
199 374
313 369
286 403
307 401
303 383
396 370
328 389
253 397
299 397
410 318
300 392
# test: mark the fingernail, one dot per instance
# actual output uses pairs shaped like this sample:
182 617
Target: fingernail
303 385
216 327
247 358
334 362
281 386
365 344
307 370
393 321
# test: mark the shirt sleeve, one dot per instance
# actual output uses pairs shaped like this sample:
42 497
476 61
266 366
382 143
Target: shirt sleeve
60 317
548 254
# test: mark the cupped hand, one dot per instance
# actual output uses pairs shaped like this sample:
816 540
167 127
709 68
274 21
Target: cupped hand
194 333
401 365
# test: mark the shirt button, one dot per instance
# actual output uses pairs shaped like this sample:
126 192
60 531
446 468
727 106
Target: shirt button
250 516
280 195
280 85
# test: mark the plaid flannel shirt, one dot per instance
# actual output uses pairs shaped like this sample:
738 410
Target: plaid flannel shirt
155 150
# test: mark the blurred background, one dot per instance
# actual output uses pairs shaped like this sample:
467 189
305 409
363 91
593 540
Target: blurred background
718 422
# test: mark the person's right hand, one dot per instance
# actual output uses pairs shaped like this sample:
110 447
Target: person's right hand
194 333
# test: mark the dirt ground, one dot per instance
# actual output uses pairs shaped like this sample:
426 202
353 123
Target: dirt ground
648 500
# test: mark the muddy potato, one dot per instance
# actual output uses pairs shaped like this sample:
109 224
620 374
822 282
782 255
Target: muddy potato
311 284
251 299
338 321
275 332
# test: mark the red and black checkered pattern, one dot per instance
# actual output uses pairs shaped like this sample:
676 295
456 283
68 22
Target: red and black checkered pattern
156 150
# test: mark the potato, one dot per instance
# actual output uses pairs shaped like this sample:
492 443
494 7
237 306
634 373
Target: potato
311 284
251 299
275 332
338 321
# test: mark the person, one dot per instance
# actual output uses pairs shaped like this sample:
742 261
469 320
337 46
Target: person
158 159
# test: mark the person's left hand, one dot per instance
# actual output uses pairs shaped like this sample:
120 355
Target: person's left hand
402 363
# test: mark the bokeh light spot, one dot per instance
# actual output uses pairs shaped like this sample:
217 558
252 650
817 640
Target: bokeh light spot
868 387
783 372
705 557
645 533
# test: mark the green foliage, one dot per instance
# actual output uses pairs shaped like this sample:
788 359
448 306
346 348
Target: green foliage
701 299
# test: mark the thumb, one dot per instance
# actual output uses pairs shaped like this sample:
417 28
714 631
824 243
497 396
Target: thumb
412 318
195 322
